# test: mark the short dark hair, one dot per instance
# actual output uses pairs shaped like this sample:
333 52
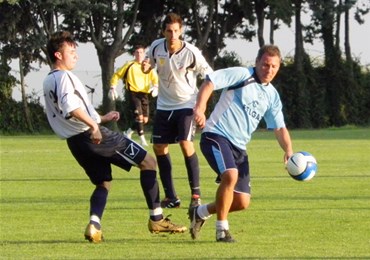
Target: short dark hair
139 46
271 50
56 42
171 18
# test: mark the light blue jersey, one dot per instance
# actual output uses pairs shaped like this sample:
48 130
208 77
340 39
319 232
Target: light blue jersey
242 105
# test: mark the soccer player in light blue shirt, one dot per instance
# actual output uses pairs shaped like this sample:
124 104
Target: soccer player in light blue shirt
247 97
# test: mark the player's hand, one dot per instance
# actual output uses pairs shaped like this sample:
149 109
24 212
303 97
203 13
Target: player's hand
145 66
111 116
155 91
199 118
286 157
95 135
112 94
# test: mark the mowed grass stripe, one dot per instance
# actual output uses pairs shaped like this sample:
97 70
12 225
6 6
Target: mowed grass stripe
45 203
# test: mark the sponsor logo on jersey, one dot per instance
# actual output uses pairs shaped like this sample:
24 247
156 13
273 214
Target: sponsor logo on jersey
251 110
162 61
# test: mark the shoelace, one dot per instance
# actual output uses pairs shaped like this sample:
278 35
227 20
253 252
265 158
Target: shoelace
166 219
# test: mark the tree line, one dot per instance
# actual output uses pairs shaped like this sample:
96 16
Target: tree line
334 92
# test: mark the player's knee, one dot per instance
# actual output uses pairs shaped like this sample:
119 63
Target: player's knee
106 184
187 148
230 177
160 149
149 163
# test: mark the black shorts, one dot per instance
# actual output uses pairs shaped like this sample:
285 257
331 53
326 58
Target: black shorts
139 103
223 155
173 126
96 159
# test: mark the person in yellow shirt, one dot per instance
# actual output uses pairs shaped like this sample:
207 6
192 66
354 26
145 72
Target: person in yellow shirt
139 85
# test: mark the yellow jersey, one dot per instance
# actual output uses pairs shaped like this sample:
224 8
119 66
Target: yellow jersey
134 79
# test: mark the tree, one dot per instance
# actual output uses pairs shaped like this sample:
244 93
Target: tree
259 8
7 81
26 26
13 36
279 10
354 93
206 22
113 27
361 9
324 18
302 72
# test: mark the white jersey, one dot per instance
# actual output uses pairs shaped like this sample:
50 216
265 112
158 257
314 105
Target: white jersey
242 105
63 93
177 74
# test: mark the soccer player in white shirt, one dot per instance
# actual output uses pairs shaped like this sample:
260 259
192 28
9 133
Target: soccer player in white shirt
178 65
247 97
95 148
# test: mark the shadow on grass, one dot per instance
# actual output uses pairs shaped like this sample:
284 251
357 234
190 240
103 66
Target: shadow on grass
179 242
136 178
182 243
108 241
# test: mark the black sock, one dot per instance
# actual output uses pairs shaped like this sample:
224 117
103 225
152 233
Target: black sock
156 218
192 166
98 200
165 172
140 128
149 185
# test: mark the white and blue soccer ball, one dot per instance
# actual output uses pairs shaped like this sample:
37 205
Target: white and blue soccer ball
302 166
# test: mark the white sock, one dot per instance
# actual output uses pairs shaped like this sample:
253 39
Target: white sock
95 218
156 212
203 212
222 225
142 138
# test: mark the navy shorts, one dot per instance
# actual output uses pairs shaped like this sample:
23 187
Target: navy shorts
173 126
96 159
139 103
223 155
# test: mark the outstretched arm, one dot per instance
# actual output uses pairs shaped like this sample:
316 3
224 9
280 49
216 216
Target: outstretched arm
283 138
111 116
205 92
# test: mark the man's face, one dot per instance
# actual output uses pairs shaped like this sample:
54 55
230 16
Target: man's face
267 68
139 54
172 32
67 56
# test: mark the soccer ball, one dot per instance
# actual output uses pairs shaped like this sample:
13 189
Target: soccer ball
302 166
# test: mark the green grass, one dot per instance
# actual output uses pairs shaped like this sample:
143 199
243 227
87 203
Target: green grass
45 204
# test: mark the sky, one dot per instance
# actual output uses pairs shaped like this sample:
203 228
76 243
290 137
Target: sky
88 69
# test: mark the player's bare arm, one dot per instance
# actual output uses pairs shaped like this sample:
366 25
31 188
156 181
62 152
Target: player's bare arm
283 138
94 127
111 116
205 92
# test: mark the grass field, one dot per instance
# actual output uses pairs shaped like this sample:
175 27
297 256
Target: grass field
45 204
